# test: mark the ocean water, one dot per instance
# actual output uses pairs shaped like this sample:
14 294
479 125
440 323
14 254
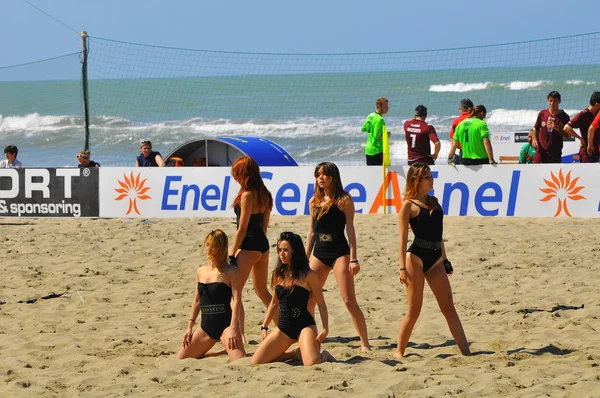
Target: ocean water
314 116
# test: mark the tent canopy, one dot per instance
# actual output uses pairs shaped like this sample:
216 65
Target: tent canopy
223 151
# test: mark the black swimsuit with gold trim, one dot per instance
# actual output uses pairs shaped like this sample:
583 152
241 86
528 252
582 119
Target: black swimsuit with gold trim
330 241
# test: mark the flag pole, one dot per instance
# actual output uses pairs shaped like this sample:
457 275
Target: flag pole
384 164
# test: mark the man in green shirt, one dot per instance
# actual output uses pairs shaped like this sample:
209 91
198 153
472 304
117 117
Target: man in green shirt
373 126
527 152
473 135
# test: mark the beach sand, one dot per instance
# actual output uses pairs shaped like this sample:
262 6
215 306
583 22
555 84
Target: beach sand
137 280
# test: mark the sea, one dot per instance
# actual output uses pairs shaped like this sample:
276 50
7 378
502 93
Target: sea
314 116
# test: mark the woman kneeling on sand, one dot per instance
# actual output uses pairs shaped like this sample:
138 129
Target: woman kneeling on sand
293 282
426 257
218 297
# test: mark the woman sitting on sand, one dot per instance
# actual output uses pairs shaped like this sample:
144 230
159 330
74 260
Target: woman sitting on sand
332 211
293 282
219 298
426 257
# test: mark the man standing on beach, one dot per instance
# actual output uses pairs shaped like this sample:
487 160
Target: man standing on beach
473 135
583 121
547 133
593 138
373 126
466 109
418 134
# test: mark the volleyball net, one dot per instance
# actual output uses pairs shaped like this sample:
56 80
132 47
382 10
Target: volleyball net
313 105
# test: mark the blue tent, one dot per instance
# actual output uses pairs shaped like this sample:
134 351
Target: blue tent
223 151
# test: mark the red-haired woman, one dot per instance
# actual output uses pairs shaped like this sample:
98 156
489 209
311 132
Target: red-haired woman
425 259
252 207
332 211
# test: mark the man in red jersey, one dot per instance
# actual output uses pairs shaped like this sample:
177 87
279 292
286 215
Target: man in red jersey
466 108
547 133
593 138
583 121
418 134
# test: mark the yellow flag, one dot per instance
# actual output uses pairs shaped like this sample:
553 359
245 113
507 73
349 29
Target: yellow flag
386 147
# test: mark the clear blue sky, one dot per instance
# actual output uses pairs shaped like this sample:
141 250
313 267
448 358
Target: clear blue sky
307 26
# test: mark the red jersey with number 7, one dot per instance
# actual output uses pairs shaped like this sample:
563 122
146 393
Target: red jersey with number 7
418 134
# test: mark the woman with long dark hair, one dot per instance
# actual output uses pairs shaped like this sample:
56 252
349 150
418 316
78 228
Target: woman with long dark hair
293 283
332 211
425 259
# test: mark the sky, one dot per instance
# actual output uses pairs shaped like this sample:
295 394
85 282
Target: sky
284 26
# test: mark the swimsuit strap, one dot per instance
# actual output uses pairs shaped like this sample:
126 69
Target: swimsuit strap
415 203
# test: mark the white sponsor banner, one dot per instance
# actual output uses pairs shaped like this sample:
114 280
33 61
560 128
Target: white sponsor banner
562 190
210 191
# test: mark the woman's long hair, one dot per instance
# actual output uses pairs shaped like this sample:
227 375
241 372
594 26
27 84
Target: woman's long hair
246 172
299 261
331 170
415 174
216 244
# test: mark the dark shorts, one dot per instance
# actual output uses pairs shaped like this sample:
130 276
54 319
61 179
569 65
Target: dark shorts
474 162
427 160
375 160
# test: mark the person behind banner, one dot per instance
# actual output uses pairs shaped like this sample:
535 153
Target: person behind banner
466 110
527 153
582 121
252 206
84 158
374 127
473 135
426 258
547 132
218 296
11 162
148 157
332 211
593 138
293 283
418 134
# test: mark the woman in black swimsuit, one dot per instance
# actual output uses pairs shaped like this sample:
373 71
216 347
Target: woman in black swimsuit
293 282
424 258
332 211
219 298
250 246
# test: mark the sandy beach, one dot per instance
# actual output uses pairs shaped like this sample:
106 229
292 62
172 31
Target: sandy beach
120 293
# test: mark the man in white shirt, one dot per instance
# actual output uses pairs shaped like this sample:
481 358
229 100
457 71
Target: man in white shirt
11 161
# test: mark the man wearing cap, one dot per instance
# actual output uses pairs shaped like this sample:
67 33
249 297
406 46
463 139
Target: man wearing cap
418 134
373 126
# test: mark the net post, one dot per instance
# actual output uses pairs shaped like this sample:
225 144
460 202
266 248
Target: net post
84 84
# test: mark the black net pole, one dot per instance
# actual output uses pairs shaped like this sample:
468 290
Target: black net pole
84 82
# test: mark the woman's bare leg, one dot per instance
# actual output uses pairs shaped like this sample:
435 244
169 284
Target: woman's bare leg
414 295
